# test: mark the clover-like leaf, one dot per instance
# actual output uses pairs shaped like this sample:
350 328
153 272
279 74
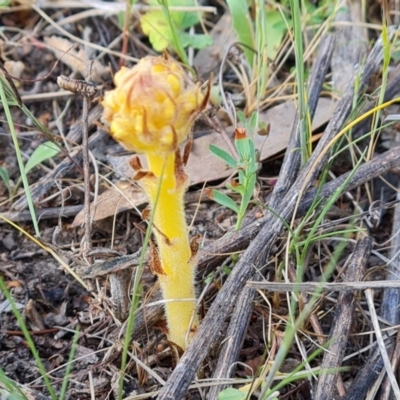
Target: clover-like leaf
223 200
45 151
157 25
223 155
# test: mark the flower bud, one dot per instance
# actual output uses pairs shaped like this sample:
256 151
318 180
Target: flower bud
153 106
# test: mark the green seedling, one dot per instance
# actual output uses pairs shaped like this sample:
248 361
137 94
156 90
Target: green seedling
261 40
30 343
5 178
232 394
9 390
246 166
166 28
243 26
43 152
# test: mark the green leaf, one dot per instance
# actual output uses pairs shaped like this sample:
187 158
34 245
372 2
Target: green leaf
241 117
232 394
223 155
224 200
243 26
157 26
253 120
185 20
45 151
157 29
245 148
196 41
237 188
275 32
227 270
6 179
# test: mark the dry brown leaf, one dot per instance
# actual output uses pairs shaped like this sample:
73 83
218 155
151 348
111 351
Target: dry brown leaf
121 197
208 60
75 59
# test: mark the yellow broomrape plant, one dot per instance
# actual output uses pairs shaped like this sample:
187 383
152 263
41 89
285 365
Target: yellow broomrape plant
151 111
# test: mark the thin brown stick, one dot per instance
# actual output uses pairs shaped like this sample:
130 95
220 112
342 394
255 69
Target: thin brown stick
87 246
41 214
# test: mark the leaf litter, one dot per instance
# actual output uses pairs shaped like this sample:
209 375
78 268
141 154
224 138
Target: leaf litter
54 304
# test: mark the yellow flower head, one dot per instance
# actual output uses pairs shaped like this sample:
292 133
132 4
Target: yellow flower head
153 106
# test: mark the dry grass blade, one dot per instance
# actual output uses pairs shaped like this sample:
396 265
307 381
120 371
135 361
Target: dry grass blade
381 344
50 250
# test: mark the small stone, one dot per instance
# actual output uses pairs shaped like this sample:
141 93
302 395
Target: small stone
9 242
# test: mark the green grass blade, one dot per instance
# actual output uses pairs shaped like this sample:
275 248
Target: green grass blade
300 80
21 166
6 179
28 338
11 388
64 386
177 44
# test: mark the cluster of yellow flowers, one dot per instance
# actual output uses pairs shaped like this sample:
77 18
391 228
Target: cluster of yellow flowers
153 106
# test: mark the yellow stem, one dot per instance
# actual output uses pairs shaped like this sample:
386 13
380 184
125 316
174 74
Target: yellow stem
170 230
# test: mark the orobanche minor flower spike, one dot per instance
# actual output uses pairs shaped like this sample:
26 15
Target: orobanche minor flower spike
151 111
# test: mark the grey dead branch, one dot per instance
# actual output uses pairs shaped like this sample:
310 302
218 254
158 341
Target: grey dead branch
339 334
241 314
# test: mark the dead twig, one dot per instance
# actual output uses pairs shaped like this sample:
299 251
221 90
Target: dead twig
325 286
342 322
47 182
